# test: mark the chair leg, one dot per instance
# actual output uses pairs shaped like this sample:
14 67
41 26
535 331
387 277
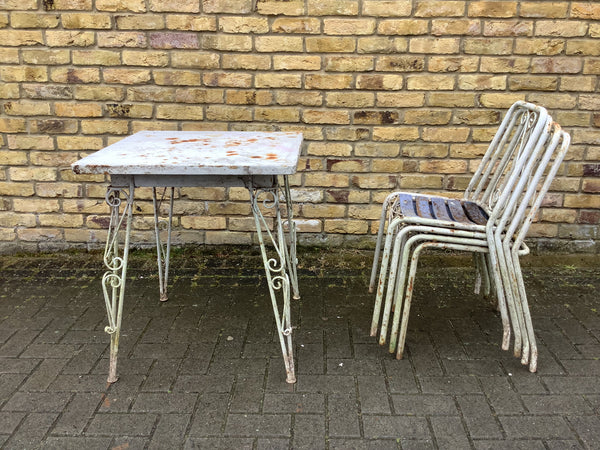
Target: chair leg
390 288
382 276
493 264
533 351
382 222
410 284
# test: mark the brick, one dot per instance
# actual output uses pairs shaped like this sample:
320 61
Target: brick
381 45
119 39
233 6
179 112
550 10
276 80
26 108
348 26
304 25
56 38
332 7
23 73
247 62
560 28
171 40
86 21
248 97
96 57
187 22
121 5
33 20
77 75
177 77
502 28
346 226
46 57
284 62
577 83
227 43
350 99
434 45
325 116
10 55
539 46
330 44
349 64
291 8
256 25
505 64
386 8
139 22
482 82
379 82
318 81
430 82
400 99
228 113
492 9
465 27
126 76
400 64
277 114
395 133
532 83
104 126
54 126
403 27
240 80
19 38
488 46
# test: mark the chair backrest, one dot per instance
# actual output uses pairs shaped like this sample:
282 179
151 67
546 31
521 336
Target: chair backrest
531 188
513 143
517 170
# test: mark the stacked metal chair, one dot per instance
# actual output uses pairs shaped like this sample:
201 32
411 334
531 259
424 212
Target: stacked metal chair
492 220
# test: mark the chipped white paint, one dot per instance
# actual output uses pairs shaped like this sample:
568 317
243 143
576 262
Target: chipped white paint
197 153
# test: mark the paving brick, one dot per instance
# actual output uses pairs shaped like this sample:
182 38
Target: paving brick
209 419
294 403
424 405
395 427
258 425
77 414
170 429
343 415
165 403
481 422
219 443
535 427
373 395
131 424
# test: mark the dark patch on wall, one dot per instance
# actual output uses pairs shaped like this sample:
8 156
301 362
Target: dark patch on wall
117 110
48 5
339 196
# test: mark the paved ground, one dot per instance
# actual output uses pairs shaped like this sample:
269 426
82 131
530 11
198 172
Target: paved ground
204 370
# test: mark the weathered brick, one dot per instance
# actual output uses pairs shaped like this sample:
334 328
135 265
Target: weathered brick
277 114
488 46
501 28
550 10
400 64
430 82
539 46
227 42
319 81
434 45
304 25
306 98
274 7
23 73
503 9
190 22
532 83
121 5
332 7
395 133
179 6
560 28
240 80
402 27
140 22
122 39
234 97
482 82
247 62
19 38
330 44
293 62
349 64
277 80
33 20
256 25
177 77
26 108
96 57
324 116
228 113
400 99
378 44
464 27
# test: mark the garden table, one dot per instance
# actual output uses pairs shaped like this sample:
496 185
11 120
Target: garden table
165 160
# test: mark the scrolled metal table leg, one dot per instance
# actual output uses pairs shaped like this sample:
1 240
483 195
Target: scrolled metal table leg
163 249
276 268
113 281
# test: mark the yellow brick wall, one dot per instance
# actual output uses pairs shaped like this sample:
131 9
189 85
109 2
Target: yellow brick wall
389 94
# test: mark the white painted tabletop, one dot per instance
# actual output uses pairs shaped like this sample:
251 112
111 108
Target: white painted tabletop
197 153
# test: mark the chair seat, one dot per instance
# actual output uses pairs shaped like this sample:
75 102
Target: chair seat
441 208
